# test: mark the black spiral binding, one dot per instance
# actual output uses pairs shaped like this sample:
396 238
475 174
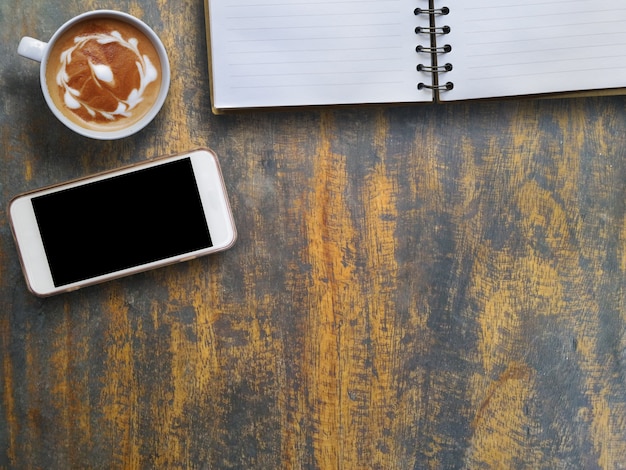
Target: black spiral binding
432 50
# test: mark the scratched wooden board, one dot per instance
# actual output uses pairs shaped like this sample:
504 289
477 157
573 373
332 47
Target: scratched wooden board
413 287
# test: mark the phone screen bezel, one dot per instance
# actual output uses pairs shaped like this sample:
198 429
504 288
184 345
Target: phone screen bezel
214 199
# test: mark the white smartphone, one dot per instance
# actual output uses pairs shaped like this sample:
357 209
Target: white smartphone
121 222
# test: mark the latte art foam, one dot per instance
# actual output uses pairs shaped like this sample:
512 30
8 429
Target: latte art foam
88 75
104 74
99 90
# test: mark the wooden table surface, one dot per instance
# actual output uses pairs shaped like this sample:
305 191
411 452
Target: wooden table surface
413 287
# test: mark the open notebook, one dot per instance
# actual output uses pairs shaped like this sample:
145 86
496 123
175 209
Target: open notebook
275 53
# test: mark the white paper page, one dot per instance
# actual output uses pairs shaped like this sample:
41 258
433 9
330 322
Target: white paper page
517 47
314 52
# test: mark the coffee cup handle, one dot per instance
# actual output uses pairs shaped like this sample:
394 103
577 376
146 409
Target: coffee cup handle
32 48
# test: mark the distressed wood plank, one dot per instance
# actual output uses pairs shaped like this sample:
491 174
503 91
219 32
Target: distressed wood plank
413 287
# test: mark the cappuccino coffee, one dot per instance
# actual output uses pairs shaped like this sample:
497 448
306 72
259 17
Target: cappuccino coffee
103 74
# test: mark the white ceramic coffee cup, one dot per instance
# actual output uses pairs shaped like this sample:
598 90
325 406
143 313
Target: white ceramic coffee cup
39 51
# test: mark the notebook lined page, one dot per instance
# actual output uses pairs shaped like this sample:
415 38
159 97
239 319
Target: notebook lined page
311 52
516 47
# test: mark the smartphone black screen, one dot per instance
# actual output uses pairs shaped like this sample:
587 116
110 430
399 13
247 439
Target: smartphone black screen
122 222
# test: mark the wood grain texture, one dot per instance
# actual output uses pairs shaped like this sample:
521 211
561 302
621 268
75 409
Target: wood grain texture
413 287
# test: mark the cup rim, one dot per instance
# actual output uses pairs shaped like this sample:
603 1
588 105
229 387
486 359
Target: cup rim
165 75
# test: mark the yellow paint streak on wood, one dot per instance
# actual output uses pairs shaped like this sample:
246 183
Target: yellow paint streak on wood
509 285
498 324
172 447
28 170
545 220
118 396
60 359
557 261
380 243
622 246
8 386
32 425
532 279
607 432
532 287
191 380
330 243
181 380
608 428
568 161
606 414
69 397
292 396
176 120
8 401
